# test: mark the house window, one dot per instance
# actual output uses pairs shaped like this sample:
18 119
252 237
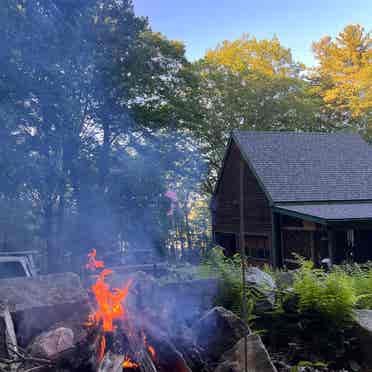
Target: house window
298 242
350 237
257 246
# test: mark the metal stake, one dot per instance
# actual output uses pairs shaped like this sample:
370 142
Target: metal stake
243 259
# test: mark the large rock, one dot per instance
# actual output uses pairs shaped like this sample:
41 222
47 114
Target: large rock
264 287
258 359
38 303
363 331
217 331
258 277
51 343
285 279
187 347
167 356
69 345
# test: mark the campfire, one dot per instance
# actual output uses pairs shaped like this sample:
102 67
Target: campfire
114 321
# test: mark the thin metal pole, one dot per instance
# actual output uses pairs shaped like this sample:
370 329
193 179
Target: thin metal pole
243 259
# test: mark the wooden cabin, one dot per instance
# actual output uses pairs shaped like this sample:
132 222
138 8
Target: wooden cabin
280 193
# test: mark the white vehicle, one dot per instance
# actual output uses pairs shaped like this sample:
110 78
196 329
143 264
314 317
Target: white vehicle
17 264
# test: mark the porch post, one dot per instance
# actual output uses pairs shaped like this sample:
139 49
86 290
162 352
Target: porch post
312 247
276 240
330 245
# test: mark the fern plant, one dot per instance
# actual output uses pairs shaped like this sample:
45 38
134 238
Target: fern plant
331 295
228 271
361 279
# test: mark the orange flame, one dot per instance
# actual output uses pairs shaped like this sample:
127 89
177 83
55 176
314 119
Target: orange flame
110 308
93 263
127 363
150 348
109 302
102 348
152 351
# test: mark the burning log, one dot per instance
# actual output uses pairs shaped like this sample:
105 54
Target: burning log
129 341
147 364
111 363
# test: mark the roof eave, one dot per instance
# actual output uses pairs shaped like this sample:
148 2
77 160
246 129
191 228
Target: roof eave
302 216
317 219
220 173
252 169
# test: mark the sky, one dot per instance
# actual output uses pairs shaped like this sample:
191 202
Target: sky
202 24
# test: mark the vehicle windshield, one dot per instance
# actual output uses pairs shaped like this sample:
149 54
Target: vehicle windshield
11 269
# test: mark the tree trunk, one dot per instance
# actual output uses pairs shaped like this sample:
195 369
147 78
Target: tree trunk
105 155
48 227
187 227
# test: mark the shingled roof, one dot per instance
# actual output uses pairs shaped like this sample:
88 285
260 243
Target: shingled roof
308 167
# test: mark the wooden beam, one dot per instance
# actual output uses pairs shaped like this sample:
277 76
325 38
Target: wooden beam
295 228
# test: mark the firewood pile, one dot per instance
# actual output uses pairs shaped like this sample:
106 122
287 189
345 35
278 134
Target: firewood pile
46 324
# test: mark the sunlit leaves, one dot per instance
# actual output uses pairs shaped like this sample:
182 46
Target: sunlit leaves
344 74
267 57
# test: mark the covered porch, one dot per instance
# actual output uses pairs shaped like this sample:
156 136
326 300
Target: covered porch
340 231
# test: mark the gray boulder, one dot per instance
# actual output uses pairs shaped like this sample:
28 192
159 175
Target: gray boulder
264 288
67 344
51 343
363 332
285 279
217 331
258 359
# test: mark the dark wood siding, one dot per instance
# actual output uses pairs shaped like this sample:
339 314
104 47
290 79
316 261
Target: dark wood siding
226 204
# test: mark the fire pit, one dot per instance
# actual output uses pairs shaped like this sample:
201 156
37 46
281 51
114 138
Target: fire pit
126 342
126 323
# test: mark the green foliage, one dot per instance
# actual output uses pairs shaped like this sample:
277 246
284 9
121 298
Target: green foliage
304 363
86 95
361 280
330 296
246 100
228 270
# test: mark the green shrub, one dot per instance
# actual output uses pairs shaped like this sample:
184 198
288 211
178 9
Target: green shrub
331 296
